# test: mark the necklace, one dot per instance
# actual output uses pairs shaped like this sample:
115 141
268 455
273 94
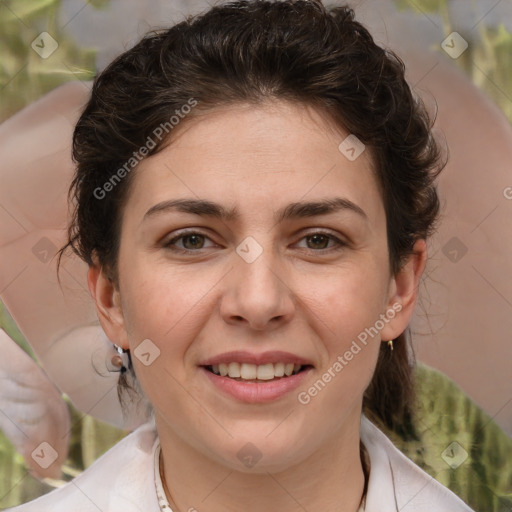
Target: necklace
164 495
162 491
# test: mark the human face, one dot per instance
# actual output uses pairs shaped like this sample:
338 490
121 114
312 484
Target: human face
254 283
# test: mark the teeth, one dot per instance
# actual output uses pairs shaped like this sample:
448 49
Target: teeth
288 369
265 372
279 369
247 371
234 370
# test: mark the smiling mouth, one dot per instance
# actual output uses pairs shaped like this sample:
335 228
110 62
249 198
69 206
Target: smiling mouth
246 372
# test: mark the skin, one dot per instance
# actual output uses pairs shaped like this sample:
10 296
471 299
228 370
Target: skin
300 295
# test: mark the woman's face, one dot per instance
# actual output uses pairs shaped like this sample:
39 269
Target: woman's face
277 281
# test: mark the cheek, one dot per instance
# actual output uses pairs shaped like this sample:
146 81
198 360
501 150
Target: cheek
160 326
351 345
353 300
350 310
161 304
169 308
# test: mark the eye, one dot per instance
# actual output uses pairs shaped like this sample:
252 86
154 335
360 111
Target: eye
319 239
192 241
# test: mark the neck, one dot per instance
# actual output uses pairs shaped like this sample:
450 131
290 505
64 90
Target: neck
331 479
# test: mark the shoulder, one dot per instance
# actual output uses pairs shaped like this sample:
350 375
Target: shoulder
398 484
122 479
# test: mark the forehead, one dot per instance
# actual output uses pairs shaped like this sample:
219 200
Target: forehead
252 157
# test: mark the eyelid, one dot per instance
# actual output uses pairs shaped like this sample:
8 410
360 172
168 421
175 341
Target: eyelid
182 234
340 242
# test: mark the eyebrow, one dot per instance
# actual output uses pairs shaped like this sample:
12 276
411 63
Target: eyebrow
293 210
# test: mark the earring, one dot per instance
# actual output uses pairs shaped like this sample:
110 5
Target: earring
390 344
121 360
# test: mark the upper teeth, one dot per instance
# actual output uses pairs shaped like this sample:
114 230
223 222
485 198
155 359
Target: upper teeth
252 371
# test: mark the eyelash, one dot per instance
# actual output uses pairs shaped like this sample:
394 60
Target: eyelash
339 243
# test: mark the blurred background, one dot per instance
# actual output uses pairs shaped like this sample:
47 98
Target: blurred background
461 336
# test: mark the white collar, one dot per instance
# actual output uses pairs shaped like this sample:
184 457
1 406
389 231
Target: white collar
397 484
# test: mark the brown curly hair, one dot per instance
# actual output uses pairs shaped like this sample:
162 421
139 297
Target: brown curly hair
250 52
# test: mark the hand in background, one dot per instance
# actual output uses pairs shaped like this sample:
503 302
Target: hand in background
34 416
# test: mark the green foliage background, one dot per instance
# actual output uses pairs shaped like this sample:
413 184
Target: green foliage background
445 413
488 59
24 76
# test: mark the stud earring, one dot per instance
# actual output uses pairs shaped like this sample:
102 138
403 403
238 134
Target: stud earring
121 360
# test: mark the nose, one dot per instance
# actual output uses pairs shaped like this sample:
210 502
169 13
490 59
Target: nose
257 294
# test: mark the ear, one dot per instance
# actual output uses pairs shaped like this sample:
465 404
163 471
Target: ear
403 292
108 305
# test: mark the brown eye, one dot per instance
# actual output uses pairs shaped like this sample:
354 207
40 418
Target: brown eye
195 241
319 241
190 242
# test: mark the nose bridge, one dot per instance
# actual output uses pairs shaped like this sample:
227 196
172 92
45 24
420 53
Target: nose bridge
256 291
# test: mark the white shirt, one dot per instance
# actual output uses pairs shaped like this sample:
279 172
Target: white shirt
124 480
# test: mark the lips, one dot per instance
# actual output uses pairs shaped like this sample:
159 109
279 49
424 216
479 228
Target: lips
254 378
256 391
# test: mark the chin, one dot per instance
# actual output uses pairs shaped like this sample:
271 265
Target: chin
260 455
